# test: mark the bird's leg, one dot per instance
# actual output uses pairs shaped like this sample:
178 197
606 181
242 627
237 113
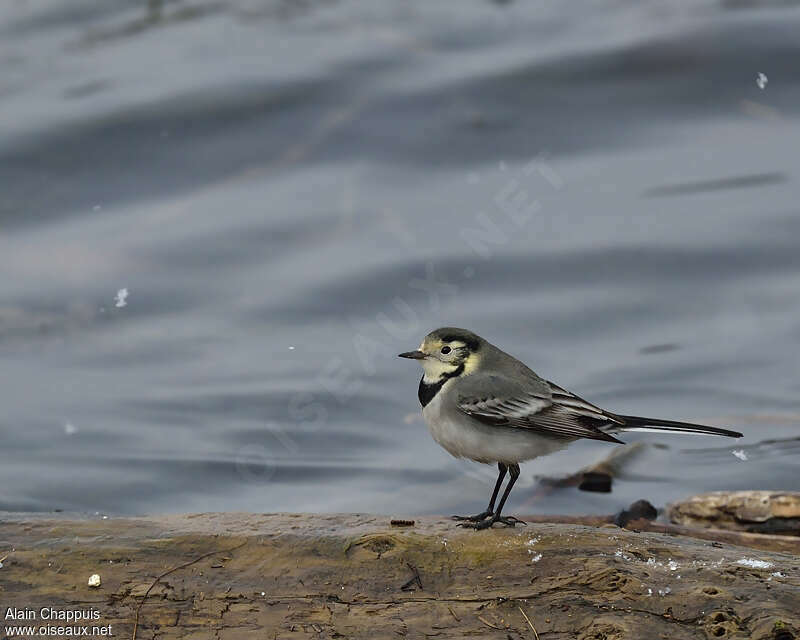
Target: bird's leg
490 509
509 521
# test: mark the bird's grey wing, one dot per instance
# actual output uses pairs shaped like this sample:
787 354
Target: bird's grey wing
533 404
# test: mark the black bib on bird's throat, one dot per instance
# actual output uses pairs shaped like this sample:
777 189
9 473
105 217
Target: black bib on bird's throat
427 391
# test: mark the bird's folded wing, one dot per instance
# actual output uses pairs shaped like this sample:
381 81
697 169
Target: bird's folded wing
534 404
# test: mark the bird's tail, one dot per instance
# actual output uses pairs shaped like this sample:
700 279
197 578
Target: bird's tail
635 423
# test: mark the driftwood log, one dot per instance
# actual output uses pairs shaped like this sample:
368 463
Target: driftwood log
285 576
754 511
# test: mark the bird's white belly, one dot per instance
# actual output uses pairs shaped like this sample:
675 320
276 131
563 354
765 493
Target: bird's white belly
465 437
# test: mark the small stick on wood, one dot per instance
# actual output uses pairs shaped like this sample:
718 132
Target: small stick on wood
401 523
528 620
413 579
489 624
453 613
168 571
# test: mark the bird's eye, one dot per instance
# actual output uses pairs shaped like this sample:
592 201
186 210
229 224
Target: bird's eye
445 349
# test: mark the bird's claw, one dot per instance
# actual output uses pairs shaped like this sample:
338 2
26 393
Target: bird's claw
476 518
487 523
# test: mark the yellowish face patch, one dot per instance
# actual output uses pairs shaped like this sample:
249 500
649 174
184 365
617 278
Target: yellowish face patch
438 364
471 363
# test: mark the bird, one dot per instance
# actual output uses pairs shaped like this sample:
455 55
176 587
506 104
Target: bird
483 404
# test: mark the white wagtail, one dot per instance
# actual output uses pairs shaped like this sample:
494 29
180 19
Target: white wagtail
481 403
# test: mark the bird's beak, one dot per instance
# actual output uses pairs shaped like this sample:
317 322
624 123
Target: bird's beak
414 355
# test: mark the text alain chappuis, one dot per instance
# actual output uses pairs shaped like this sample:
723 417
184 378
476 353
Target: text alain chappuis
51 622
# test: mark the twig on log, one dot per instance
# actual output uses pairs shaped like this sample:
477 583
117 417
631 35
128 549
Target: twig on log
528 620
401 523
414 579
172 570
489 624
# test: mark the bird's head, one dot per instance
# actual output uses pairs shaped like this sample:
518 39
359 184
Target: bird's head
448 352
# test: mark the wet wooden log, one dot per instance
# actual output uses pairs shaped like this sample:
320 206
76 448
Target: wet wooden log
774 512
357 576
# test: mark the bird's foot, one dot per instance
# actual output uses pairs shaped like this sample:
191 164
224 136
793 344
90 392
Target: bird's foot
509 521
476 518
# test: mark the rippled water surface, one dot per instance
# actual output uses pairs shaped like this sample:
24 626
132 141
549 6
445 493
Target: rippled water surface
293 193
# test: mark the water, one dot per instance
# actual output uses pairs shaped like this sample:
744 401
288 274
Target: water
293 193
